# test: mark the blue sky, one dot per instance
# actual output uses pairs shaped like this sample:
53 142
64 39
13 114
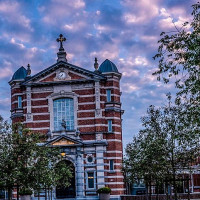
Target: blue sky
124 31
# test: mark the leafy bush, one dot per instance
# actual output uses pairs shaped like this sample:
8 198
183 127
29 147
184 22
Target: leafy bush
104 190
25 191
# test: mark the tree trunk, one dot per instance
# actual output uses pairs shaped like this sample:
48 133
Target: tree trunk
147 191
166 191
175 188
9 193
17 192
188 188
150 190
156 191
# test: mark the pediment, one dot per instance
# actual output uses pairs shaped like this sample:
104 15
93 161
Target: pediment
63 141
63 71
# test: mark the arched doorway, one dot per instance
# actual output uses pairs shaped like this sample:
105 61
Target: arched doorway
70 191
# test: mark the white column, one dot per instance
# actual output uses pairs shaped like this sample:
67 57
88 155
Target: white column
79 174
29 116
100 167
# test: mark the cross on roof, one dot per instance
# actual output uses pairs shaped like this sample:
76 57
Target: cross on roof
61 39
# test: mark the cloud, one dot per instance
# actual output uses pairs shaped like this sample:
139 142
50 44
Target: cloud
6 71
126 32
140 11
58 11
10 11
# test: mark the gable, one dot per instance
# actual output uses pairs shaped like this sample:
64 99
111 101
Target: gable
54 76
63 71
62 142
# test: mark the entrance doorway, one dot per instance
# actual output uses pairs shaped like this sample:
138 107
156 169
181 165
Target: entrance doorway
70 191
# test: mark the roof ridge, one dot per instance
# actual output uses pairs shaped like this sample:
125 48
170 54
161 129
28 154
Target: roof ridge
65 63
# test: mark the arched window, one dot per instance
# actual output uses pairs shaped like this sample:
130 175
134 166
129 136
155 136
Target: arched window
63 109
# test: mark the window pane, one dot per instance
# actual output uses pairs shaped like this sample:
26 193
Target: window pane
108 95
91 180
19 101
63 110
109 125
111 165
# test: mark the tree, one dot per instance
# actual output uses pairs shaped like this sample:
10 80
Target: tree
163 148
146 155
25 163
179 56
179 60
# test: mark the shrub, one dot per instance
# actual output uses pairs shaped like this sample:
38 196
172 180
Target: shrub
104 190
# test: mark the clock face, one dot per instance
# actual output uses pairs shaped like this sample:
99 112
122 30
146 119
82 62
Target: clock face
62 75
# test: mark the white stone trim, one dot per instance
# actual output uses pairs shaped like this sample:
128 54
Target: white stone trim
114 176
117 118
39 99
45 113
110 87
42 106
18 94
87 103
114 183
118 189
113 79
37 121
117 164
108 158
104 95
62 94
98 112
114 152
29 117
37 129
113 140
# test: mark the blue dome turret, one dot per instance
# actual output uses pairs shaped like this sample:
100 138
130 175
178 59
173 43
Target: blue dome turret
108 66
21 73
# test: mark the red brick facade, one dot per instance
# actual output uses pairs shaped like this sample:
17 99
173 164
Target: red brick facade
92 112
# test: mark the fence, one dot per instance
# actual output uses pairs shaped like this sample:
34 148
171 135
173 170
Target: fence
159 197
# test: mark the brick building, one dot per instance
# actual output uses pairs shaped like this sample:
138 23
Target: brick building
79 111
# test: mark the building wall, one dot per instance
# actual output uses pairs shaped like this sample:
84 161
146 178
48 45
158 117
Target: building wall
92 112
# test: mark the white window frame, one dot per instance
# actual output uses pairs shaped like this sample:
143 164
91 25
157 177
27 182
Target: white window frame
60 95
66 111
87 183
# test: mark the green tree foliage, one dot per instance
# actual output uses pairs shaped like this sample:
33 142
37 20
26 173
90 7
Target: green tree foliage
163 148
179 56
25 162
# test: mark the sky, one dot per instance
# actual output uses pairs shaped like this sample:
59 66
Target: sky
123 31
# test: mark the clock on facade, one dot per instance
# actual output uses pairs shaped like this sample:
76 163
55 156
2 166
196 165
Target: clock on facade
62 75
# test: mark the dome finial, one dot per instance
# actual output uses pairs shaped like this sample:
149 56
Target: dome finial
28 70
96 65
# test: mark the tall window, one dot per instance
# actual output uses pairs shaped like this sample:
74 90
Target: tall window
110 125
111 165
19 101
108 95
63 109
90 180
